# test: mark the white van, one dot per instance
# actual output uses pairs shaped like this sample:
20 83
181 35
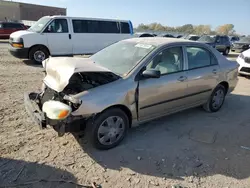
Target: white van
67 36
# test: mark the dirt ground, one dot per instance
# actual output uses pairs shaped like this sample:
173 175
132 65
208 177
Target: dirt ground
193 149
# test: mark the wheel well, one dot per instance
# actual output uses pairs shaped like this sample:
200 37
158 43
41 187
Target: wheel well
124 109
225 84
39 45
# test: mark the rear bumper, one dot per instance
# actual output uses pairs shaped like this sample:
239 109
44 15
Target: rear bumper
22 53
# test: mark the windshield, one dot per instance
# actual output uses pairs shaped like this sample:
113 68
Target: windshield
207 38
40 24
245 40
122 57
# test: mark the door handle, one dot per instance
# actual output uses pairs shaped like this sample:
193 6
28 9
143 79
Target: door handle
182 78
214 71
69 36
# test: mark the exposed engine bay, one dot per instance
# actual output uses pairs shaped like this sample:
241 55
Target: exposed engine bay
79 82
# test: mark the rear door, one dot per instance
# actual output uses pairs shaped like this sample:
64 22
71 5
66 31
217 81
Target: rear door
220 46
8 29
59 37
203 73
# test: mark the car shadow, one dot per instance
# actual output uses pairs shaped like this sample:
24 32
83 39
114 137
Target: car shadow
31 63
189 143
18 173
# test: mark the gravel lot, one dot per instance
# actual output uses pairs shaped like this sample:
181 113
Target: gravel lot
192 148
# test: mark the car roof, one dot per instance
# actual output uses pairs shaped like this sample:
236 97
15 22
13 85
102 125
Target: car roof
88 18
158 41
3 22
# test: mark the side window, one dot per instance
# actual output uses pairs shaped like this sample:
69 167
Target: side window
109 27
199 57
80 26
18 26
8 26
93 26
1 26
125 27
168 61
57 26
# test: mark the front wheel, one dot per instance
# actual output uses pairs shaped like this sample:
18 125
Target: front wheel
38 54
108 129
216 99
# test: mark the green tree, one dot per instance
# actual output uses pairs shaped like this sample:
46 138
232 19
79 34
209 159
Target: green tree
202 29
226 29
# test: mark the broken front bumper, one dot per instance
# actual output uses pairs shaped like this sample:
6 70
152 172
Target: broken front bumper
31 102
33 108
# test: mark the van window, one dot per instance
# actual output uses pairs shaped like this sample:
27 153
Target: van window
80 26
57 26
94 26
109 27
125 27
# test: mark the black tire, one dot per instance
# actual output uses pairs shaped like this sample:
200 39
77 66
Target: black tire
226 52
36 49
94 125
209 105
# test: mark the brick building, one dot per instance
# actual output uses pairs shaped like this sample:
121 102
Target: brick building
16 11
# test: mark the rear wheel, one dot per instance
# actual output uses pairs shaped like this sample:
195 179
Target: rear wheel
226 52
216 99
38 54
108 129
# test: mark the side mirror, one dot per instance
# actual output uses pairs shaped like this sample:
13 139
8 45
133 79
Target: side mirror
152 73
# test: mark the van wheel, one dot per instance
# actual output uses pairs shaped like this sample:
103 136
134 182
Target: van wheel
108 129
216 99
226 52
38 54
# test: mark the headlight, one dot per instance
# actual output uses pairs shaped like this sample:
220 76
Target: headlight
17 43
56 110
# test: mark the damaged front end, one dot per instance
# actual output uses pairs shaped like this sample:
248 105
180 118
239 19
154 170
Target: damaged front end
55 103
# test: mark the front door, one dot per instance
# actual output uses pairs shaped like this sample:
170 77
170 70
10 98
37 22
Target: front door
203 73
59 37
159 96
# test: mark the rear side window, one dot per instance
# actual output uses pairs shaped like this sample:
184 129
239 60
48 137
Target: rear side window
199 57
13 26
57 26
109 27
95 26
80 26
125 27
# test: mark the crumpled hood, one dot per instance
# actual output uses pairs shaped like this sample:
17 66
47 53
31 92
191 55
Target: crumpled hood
60 69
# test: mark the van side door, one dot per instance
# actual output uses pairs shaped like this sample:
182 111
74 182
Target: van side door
59 37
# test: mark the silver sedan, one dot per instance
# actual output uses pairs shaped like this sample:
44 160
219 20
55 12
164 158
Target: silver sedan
129 83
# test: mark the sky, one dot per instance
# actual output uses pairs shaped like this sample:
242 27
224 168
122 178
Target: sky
167 12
